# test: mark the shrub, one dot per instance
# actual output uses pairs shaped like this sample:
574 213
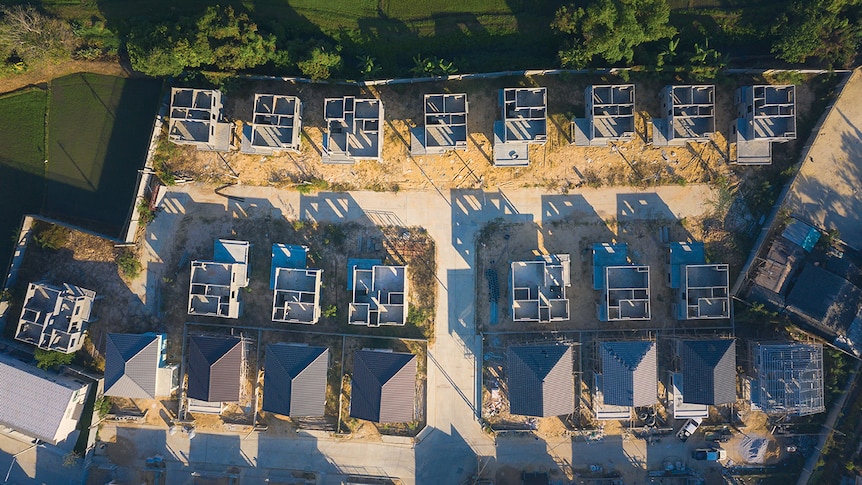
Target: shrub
331 311
103 406
145 214
47 359
52 236
127 262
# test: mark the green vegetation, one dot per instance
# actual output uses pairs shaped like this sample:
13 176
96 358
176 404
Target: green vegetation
103 406
330 312
22 161
51 236
30 36
145 214
47 359
128 263
610 30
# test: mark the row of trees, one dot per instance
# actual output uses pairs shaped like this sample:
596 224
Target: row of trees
591 32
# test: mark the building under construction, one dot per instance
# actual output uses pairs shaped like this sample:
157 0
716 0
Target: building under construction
789 378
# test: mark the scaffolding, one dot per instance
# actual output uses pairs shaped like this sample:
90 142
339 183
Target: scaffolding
789 378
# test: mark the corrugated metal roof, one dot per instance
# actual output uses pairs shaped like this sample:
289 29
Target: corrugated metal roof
384 386
629 372
214 368
540 380
708 370
33 401
801 234
294 381
131 361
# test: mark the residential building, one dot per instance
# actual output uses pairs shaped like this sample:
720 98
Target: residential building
296 288
628 378
214 287
215 369
383 386
445 125
788 378
379 295
689 115
55 318
196 119
524 122
703 289
40 404
766 115
135 366
539 289
354 129
706 376
610 115
624 286
276 125
294 380
540 380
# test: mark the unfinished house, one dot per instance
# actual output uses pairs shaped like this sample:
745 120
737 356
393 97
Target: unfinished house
689 112
214 288
445 125
539 289
40 404
215 368
705 376
135 366
524 122
379 296
788 378
354 129
627 378
196 119
276 125
765 115
296 289
55 317
703 289
624 286
610 115
294 380
540 380
383 389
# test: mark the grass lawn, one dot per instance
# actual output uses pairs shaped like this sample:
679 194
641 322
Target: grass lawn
22 167
99 128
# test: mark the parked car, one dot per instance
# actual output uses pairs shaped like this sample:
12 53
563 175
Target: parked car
709 454
688 428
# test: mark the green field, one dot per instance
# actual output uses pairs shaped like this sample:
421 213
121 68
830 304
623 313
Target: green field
22 166
98 131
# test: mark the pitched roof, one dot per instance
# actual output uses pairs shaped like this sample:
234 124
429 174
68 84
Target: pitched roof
131 361
629 373
540 380
708 370
34 401
215 367
384 386
294 383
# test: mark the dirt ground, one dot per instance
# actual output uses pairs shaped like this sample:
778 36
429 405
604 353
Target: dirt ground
558 165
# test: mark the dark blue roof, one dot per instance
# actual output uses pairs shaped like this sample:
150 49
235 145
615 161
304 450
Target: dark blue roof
604 255
681 255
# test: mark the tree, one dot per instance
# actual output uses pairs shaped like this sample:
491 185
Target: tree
610 29
46 359
34 36
826 29
321 64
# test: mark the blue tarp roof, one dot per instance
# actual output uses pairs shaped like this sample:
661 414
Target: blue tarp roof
604 255
801 234
287 256
361 264
683 254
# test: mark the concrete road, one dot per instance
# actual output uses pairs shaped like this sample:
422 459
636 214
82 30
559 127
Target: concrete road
23 463
453 444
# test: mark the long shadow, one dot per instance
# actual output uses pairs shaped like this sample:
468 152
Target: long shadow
21 193
472 209
444 456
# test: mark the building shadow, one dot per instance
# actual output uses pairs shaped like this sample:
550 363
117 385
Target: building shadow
444 457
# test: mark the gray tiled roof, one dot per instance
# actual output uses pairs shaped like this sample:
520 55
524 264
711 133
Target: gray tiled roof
33 401
215 368
629 373
384 386
540 380
708 371
131 361
294 382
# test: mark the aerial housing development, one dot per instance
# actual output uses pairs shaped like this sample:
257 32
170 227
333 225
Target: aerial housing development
547 261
